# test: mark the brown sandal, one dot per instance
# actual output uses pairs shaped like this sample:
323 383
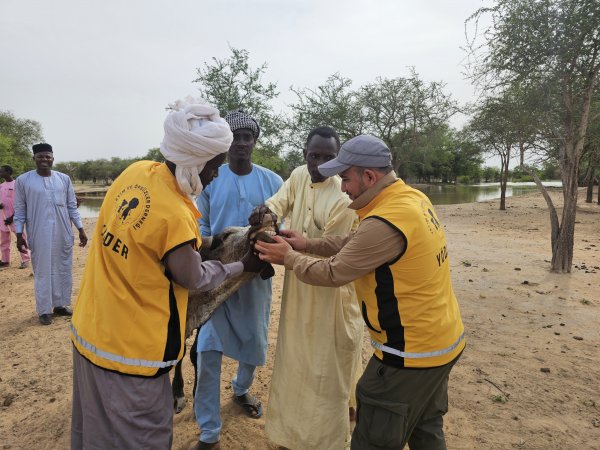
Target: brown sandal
251 405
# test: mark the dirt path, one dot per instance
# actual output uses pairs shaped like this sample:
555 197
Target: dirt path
529 378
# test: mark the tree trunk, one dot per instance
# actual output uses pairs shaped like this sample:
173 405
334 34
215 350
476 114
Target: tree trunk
522 153
590 185
562 250
554 225
570 155
505 160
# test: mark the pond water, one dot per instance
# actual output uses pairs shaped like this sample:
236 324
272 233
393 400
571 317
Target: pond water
442 194
90 206
450 194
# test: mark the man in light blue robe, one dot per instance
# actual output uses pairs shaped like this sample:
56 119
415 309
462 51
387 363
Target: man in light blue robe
45 204
237 328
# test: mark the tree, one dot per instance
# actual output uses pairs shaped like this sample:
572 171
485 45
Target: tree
154 154
16 138
522 173
399 111
70 168
231 84
440 153
492 129
84 171
332 104
490 174
466 158
292 159
591 152
553 46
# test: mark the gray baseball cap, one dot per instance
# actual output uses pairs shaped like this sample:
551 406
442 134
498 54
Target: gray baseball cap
360 151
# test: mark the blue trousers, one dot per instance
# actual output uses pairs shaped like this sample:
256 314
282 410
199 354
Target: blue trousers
207 403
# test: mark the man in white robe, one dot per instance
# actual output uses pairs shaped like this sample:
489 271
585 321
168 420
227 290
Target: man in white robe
318 356
45 204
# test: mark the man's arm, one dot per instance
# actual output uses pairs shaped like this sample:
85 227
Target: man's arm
374 243
72 205
188 270
327 245
74 213
20 215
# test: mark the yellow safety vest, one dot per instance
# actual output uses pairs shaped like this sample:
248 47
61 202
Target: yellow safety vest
408 304
130 316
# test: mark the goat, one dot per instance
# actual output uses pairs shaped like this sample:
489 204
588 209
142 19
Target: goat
228 246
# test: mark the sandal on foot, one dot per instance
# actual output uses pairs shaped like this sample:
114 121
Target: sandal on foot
251 405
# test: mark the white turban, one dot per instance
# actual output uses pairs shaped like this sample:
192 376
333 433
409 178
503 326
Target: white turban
194 134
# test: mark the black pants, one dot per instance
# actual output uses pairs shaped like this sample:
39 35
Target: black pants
399 406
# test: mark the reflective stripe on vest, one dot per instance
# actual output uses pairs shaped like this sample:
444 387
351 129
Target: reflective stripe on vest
120 359
393 351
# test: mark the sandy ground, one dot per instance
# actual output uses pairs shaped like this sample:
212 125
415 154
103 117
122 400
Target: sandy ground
529 378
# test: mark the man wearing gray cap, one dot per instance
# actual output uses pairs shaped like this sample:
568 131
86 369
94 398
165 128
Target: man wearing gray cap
398 260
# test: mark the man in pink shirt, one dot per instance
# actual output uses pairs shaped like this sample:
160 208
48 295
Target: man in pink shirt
7 201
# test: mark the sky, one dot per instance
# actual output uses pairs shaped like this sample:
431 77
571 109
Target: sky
98 74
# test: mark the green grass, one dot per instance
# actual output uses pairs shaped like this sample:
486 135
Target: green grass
499 398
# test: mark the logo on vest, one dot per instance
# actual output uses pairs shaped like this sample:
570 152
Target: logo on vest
132 206
430 218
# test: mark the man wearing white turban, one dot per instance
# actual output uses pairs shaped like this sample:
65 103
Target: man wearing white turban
129 319
194 134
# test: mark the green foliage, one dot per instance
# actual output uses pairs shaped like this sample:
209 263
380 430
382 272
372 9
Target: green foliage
439 153
263 157
292 159
97 170
490 174
497 129
408 114
70 168
550 170
16 138
403 112
231 84
538 42
332 104
500 398
521 174
154 154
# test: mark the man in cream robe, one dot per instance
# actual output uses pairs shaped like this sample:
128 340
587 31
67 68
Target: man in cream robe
318 356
